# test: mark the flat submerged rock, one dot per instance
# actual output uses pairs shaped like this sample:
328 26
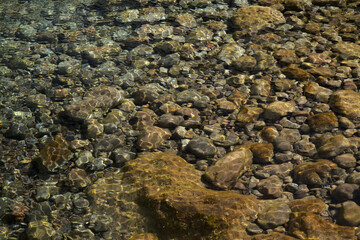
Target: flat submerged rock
169 198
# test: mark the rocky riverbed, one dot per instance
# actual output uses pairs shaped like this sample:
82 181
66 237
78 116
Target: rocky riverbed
180 119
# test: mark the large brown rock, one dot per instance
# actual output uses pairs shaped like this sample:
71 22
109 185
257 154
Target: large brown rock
278 109
255 18
346 102
272 236
305 225
153 137
313 173
297 73
248 114
262 152
101 98
309 204
276 214
333 146
228 169
348 214
161 193
323 121
314 91
347 50
271 187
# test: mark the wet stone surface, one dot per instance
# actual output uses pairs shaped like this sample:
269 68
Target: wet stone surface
179 119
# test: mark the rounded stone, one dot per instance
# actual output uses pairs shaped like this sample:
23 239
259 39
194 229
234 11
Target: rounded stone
322 122
260 87
274 215
78 178
346 102
153 138
244 63
277 110
313 90
345 160
305 147
269 133
281 144
346 191
40 230
354 178
333 146
348 214
17 131
229 52
170 121
248 114
314 173
297 73
201 147
224 173
271 187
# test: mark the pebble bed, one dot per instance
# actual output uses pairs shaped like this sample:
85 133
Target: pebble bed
180 119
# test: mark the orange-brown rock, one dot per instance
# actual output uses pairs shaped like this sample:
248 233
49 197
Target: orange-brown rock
272 236
313 173
297 73
305 225
248 114
261 151
226 105
309 204
314 91
319 58
286 56
322 71
346 102
268 133
254 18
144 236
323 121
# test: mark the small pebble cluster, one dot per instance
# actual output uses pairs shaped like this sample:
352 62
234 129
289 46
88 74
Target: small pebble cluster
189 119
